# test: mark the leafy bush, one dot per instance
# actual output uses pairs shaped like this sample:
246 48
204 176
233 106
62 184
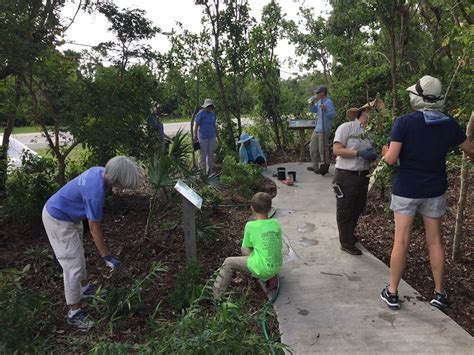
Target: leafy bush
120 302
227 328
243 179
188 286
25 315
211 197
29 187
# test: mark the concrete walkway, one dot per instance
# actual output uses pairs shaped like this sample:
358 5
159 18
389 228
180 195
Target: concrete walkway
329 300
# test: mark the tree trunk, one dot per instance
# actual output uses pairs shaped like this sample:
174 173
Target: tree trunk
237 108
61 169
6 139
462 196
227 118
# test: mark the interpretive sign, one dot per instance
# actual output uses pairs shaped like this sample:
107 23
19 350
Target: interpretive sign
191 201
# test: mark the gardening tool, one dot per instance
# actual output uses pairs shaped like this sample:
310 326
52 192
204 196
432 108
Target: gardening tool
323 168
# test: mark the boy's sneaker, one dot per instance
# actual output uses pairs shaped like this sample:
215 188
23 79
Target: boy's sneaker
440 300
272 283
91 292
391 299
81 321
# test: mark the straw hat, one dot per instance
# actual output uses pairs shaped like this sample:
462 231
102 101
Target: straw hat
352 112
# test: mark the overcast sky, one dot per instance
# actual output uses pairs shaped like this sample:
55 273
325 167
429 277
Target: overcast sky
91 29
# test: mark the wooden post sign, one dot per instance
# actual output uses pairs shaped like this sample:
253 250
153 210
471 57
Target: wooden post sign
301 125
191 201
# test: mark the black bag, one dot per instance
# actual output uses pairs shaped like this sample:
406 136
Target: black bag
196 145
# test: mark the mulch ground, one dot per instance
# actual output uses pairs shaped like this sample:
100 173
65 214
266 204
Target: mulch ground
124 229
376 229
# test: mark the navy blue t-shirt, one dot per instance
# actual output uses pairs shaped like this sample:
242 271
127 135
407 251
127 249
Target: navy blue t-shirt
422 170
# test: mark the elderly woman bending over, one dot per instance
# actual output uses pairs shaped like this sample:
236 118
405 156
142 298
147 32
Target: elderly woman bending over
83 198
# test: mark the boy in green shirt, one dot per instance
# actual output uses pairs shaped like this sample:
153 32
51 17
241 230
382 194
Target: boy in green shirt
261 247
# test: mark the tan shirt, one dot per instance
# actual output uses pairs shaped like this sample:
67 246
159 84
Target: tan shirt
348 134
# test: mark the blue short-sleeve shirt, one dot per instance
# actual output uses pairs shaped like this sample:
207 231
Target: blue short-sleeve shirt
81 198
206 122
422 170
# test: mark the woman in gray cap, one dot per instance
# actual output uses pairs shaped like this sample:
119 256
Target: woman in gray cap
420 141
205 129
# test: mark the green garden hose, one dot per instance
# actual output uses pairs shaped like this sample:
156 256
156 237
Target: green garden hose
263 322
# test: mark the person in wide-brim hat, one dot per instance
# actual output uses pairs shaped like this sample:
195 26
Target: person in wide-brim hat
352 113
250 151
205 135
207 103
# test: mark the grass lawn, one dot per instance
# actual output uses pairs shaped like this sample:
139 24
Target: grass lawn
175 120
74 155
19 130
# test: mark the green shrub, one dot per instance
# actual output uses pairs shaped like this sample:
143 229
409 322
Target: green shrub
29 187
25 315
120 302
211 197
227 328
188 286
242 179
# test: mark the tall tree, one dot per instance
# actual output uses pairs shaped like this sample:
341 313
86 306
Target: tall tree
213 16
27 29
130 26
265 65
56 93
237 25
394 18
310 43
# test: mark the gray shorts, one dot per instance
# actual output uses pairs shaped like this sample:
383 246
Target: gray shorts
434 207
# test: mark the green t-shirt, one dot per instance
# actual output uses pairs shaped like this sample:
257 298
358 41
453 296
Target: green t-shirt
264 236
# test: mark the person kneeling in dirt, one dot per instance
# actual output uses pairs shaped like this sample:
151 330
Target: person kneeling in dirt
261 248
419 141
250 151
81 198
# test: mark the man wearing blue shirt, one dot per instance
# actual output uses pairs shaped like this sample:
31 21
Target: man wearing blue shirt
322 105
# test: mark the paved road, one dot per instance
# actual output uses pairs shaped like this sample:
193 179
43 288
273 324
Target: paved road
37 141
329 301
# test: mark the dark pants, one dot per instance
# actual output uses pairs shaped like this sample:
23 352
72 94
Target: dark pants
260 161
351 206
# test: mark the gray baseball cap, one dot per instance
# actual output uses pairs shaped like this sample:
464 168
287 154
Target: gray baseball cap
321 88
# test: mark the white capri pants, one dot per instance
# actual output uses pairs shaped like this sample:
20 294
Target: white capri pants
66 240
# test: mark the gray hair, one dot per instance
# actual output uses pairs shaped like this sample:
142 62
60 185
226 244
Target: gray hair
123 171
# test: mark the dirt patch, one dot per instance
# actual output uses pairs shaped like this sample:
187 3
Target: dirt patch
123 226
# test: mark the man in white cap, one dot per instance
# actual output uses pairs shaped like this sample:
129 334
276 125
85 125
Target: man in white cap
420 141
205 129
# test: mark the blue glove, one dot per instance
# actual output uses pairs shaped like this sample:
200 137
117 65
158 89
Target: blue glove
367 154
111 262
